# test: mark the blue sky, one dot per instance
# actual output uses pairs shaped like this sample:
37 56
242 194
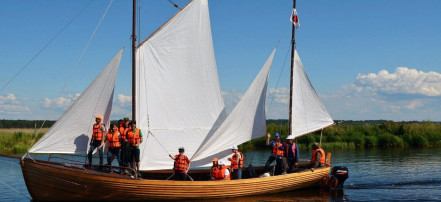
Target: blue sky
366 59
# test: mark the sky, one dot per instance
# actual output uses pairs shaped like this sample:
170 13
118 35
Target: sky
367 60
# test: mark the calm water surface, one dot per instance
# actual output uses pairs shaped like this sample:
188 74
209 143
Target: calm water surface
374 175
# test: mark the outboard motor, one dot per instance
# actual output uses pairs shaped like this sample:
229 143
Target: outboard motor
340 173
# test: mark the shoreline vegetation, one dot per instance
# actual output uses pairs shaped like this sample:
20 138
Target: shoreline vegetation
17 136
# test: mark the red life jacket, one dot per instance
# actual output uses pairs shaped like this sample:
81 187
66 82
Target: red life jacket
113 140
133 138
180 163
97 133
314 156
218 172
234 163
276 150
293 149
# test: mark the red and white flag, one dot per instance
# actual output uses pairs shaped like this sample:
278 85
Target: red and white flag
294 18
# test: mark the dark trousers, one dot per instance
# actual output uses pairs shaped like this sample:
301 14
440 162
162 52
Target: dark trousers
95 144
125 154
279 163
291 165
237 174
180 176
113 152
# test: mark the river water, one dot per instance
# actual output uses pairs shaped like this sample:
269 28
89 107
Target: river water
374 175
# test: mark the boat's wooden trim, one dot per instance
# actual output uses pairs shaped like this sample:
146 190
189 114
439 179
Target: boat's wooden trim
51 181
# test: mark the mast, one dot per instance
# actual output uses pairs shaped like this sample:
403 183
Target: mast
134 61
293 44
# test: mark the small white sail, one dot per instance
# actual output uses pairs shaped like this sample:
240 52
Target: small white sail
308 113
246 122
178 93
72 132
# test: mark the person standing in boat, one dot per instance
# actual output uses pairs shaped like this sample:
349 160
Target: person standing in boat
219 171
134 137
181 165
97 141
236 163
318 157
277 153
125 147
292 155
114 145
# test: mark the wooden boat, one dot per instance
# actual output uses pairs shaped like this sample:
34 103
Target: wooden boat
55 182
209 132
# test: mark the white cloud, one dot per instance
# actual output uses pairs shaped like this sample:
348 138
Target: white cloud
278 95
231 99
60 102
414 104
402 81
8 99
11 105
124 100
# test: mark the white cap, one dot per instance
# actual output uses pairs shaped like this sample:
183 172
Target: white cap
234 147
290 137
220 162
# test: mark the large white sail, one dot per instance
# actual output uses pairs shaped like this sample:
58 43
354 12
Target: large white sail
178 94
246 122
73 130
308 113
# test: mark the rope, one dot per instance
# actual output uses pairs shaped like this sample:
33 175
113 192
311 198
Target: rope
1 181
44 47
159 143
87 46
75 66
174 4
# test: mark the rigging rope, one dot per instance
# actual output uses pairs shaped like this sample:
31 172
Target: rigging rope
174 4
87 46
45 46
74 68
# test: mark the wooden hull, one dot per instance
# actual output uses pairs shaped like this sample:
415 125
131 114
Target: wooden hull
55 182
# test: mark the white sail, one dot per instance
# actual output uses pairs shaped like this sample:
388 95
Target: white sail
246 122
308 113
178 94
73 130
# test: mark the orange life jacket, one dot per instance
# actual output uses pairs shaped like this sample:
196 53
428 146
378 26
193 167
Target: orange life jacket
180 163
97 133
133 138
293 149
314 156
234 163
113 140
276 150
122 131
219 173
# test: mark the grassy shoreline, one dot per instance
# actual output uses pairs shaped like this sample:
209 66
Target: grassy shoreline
346 136
386 134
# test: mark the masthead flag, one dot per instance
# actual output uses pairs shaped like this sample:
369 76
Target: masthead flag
295 18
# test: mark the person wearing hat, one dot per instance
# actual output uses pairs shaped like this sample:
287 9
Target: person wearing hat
291 154
236 163
219 171
277 153
181 165
318 157
97 140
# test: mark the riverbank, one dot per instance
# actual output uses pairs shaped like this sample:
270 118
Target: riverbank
362 135
18 140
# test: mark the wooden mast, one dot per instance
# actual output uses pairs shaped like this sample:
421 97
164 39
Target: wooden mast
293 45
134 61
